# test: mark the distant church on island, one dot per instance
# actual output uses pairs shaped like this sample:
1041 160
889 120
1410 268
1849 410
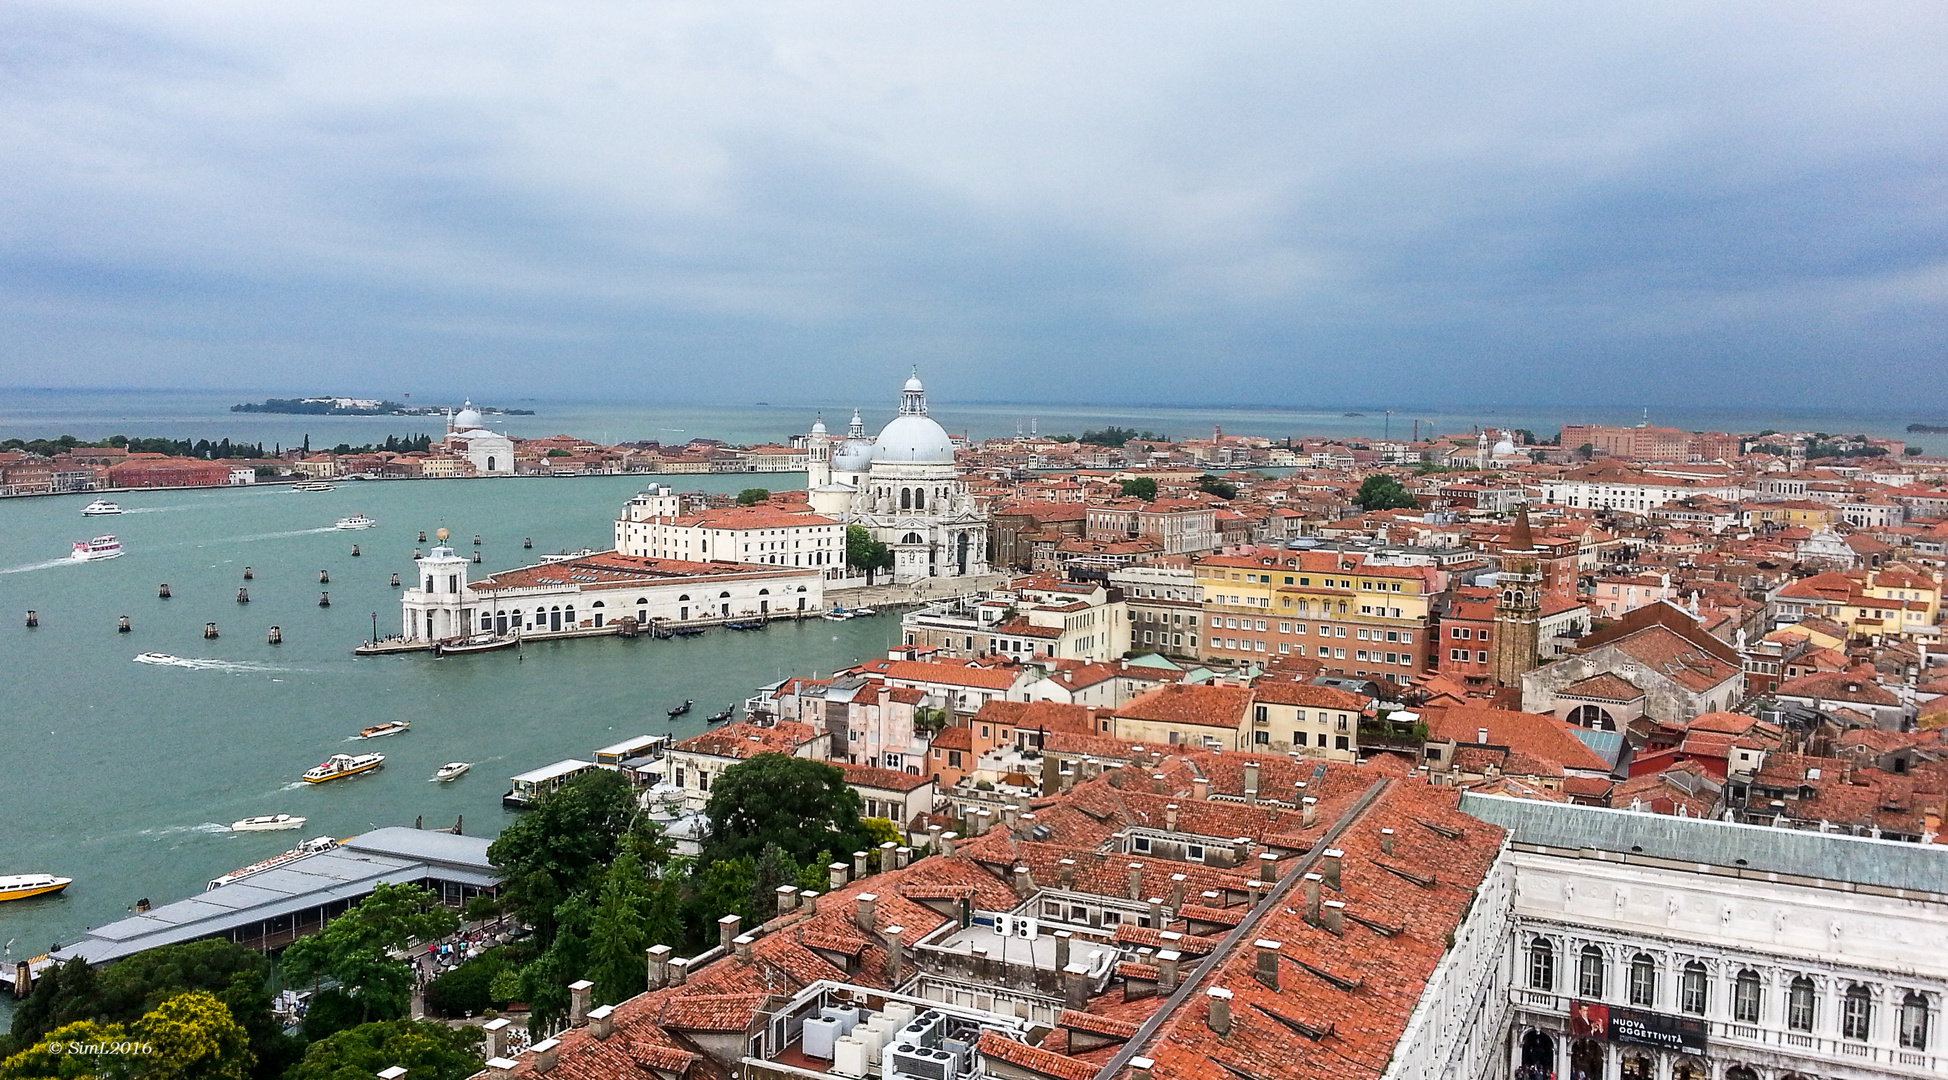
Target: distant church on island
703 564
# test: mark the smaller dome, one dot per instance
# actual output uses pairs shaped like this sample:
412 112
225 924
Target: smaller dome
818 426
467 417
914 383
1505 447
853 456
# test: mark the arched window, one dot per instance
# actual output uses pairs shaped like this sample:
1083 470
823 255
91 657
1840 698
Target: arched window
906 498
1799 1005
1594 717
1643 981
1857 1013
723 596
685 596
1589 976
910 538
1914 1022
1747 996
764 592
1542 965
919 498
1694 989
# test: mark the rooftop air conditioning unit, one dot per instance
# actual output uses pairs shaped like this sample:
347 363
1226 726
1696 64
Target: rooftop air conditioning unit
1027 928
848 1057
921 1063
820 1034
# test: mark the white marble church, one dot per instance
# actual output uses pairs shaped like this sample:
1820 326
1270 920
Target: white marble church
902 487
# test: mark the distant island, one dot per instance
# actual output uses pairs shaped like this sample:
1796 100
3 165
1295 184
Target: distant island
1929 429
339 406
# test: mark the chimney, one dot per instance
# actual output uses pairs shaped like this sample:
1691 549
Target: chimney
1009 815
578 992
1157 783
599 1024
1220 1016
659 961
1251 782
1024 825
1177 890
1329 866
1268 963
1167 961
895 954
1140 1068
858 865
1066 872
726 930
1386 841
933 837
886 855
838 871
1334 913
900 852
1062 941
391 1072
945 845
1310 811
679 971
1156 913
1075 987
787 898
1170 816
1312 882
808 899
1267 866
1136 881
983 821
1200 788
863 911
496 1030
1024 881
741 945
544 1055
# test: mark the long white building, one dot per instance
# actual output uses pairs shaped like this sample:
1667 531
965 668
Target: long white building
653 526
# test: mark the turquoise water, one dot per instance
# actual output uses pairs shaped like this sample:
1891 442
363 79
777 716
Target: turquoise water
124 775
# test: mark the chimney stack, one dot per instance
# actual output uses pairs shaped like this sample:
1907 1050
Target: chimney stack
863 912
1177 890
659 959
886 856
1251 782
895 954
1481 735
903 856
726 930
787 898
1024 825
1170 816
1220 1016
1156 913
1334 912
1062 941
578 994
1312 883
741 945
1140 1068
945 846
599 1024
679 971
1075 987
808 899
1010 815
1386 841
1268 963
1024 881
544 1055
837 871
1329 866
496 1030
858 865
1066 872
1136 881
933 837
1309 807
1167 960
983 821
1200 788
1267 866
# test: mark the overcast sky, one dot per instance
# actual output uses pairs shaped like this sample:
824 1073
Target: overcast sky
1289 203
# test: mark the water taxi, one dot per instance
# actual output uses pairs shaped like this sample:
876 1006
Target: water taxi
313 846
452 770
101 547
474 644
22 886
863 613
356 521
100 508
268 823
380 731
312 485
837 614
342 765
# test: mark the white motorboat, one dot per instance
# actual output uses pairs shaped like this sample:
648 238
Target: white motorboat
100 508
356 521
863 612
837 614
380 731
101 547
342 765
268 823
452 770
22 886
312 485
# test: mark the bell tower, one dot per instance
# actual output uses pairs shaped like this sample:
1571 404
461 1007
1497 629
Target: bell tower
1518 607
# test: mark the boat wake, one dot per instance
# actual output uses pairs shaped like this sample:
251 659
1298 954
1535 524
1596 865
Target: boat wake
209 827
273 535
191 663
47 565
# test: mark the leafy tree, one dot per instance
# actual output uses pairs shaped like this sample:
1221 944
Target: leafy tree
426 1050
1141 487
617 933
1383 492
467 990
1062 438
354 949
505 986
1911 450
773 868
194 1038
1211 485
724 888
1109 436
1586 451
40 1059
561 843
801 804
862 552
816 875
752 496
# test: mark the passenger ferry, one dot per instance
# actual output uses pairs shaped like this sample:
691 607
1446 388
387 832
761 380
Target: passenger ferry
313 846
100 508
22 886
356 521
101 547
342 765
380 731
268 823
312 485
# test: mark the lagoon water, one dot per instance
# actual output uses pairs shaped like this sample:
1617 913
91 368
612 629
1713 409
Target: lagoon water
125 775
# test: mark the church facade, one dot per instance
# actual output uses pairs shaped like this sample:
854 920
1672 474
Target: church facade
902 488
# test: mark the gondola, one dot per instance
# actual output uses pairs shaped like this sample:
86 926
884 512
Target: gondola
718 718
683 708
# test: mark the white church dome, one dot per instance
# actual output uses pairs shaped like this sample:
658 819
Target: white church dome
914 439
1505 447
853 456
467 417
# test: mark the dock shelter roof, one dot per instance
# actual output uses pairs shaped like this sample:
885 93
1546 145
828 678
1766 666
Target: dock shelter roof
348 872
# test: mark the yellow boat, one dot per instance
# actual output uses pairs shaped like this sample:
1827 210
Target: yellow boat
22 886
343 765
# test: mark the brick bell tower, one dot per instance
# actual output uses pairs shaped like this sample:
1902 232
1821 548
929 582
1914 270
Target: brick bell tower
1518 608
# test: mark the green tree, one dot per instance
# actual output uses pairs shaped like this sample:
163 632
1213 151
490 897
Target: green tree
752 496
42 1059
618 934
427 1051
560 845
817 874
194 1037
1141 487
863 553
774 868
1212 485
1383 492
802 805
467 990
354 949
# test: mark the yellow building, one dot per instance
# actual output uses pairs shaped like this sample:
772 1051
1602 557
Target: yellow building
1240 624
